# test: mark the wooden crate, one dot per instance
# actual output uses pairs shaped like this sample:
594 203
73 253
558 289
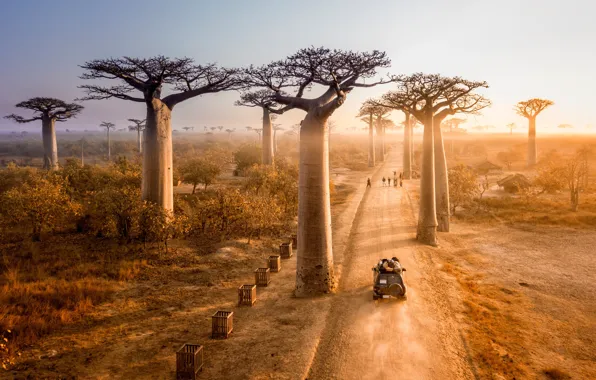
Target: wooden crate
247 295
274 263
285 250
262 276
294 240
222 324
189 361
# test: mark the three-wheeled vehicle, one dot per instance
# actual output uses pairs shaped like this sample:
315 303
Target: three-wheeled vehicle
388 281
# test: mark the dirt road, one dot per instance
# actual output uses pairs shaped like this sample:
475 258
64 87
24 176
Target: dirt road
418 338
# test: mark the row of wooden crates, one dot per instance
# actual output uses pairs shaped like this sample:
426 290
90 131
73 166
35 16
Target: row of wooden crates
189 358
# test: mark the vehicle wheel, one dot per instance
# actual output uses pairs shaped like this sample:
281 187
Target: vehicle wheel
375 298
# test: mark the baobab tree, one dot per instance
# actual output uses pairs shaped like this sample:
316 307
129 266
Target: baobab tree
565 126
431 98
138 126
49 111
339 73
189 128
220 127
511 127
530 109
108 126
264 100
451 124
374 113
213 129
148 77
230 131
276 127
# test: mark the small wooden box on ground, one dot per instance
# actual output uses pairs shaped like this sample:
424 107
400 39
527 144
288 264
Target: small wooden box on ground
262 276
189 361
222 324
285 250
294 241
247 295
274 263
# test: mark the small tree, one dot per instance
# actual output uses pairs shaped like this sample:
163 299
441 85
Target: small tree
530 109
574 170
200 170
463 186
246 156
49 111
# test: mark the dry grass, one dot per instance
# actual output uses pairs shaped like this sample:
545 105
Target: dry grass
48 285
493 332
543 210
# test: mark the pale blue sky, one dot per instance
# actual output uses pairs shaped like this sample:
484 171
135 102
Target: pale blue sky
523 49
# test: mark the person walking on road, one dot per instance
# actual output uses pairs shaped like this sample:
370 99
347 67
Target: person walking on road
383 181
368 182
389 181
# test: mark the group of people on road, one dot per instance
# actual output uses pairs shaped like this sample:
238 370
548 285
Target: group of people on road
388 180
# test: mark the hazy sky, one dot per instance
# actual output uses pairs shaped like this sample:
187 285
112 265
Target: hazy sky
522 48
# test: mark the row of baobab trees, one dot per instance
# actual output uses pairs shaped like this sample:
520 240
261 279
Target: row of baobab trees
278 87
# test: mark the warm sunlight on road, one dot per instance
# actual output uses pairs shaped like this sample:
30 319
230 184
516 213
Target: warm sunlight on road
411 339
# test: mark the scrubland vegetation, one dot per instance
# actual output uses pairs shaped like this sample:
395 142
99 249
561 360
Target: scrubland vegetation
70 238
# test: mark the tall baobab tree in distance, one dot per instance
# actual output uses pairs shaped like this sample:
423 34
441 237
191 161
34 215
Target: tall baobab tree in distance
276 127
530 109
49 111
367 113
339 73
371 110
138 126
451 124
230 131
148 76
189 128
511 127
263 99
431 98
220 127
107 125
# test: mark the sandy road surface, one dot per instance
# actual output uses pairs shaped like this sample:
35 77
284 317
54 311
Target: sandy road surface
418 338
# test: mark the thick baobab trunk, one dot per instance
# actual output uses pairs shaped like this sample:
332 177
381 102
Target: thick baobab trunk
532 142
427 216
158 182
407 170
314 272
274 142
371 142
379 154
139 144
82 154
267 138
50 148
441 180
